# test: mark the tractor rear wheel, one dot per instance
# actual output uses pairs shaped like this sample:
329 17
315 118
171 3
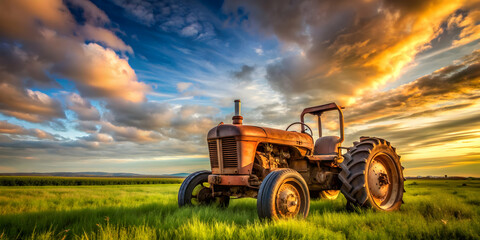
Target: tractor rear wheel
195 190
372 175
283 194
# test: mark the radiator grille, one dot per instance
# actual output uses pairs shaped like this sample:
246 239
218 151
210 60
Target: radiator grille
229 150
212 149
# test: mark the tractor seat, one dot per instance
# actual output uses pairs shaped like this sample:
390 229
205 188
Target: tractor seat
327 145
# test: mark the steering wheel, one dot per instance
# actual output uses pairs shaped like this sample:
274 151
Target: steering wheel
301 123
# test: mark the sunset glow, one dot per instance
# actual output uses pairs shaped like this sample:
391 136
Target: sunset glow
134 86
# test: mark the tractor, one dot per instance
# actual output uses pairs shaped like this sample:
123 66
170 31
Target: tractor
283 169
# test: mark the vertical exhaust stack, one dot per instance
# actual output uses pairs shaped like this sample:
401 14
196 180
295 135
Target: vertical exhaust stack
237 119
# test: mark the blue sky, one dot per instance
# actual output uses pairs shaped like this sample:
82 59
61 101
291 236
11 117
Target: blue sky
134 86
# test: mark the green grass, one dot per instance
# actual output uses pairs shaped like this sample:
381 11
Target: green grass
78 181
433 209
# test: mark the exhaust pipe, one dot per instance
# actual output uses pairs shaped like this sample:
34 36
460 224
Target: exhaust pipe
237 119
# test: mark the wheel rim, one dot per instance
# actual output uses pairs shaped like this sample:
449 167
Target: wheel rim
201 194
330 194
289 199
383 179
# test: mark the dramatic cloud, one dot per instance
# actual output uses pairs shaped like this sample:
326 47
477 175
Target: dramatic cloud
99 72
40 40
455 82
469 25
15 130
183 122
346 47
25 104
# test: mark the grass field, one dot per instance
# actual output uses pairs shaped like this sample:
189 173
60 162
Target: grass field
433 209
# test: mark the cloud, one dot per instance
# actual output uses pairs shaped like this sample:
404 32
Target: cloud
82 107
15 130
187 122
342 49
259 51
99 72
191 30
433 112
131 134
142 11
436 133
104 36
29 105
43 40
171 16
87 126
98 137
91 13
468 23
245 73
454 82
182 86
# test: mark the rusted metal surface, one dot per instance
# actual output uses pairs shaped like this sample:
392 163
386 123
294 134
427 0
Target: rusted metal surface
238 143
231 180
288 200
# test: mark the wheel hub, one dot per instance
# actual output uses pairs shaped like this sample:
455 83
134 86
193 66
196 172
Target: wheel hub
205 195
287 200
378 182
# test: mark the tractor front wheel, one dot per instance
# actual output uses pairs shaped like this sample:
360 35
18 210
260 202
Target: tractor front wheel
372 175
195 190
283 194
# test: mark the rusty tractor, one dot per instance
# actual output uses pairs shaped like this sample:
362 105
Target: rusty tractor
283 169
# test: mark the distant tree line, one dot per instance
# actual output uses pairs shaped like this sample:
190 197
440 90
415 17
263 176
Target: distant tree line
79 181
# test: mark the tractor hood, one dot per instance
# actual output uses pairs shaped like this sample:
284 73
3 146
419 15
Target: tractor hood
232 130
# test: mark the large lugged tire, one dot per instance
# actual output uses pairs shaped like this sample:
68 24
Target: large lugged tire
372 176
283 194
195 190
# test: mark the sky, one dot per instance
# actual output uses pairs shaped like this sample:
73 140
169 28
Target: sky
135 85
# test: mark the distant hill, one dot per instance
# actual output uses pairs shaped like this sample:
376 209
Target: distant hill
442 177
180 175
96 174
